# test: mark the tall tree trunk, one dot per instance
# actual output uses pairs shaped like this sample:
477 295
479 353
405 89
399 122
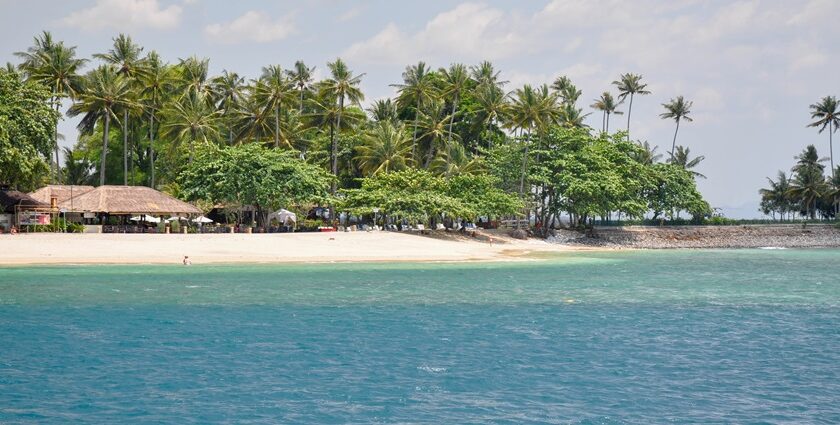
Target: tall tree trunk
152 149
522 175
629 111
125 147
414 140
452 116
335 142
277 127
608 122
104 148
603 120
831 155
300 110
674 143
55 147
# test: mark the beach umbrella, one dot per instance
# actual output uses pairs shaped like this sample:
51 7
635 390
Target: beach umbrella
285 215
175 218
145 217
201 219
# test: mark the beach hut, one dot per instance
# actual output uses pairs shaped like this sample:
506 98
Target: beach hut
113 206
20 210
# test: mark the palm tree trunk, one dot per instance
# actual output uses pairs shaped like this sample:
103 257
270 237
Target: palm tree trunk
300 110
277 127
55 147
104 148
335 142
629 111
125 147
522 175
152 149
674 143
603 120
452 116
414 140
608 122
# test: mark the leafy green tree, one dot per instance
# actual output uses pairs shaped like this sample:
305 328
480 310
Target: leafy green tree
677 109
386 147
826 114
105 91
251 174
26 132
55 66
674 190
630 85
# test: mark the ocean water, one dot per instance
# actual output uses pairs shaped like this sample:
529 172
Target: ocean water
747 336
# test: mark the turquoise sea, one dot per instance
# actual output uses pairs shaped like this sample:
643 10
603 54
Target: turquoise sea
746 336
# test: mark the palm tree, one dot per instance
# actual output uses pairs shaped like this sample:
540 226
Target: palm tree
415 93
571 116
682 158
456 160
608 106
808 186
56 67
252 121
565 90
677 109
104 91
157 83
485 75
343 86
455 81
647 154
524 114
386 147
630 85
301 77
492 105
777 196
826 114
809 159
194 78
272 90
227 89
76 170
127 58
433 125
191 118
383 110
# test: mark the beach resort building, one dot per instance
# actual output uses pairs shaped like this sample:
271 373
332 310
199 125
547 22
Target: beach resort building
18 209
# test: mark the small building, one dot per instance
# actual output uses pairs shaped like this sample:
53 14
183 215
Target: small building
60 192
20 210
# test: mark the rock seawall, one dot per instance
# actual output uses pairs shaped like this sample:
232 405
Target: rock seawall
744 236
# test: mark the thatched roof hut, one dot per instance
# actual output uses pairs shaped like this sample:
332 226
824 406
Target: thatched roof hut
9 199
61 192
119 200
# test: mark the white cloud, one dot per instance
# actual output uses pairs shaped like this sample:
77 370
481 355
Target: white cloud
349 15
252 26
124 14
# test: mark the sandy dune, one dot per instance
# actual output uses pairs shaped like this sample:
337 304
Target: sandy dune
46 248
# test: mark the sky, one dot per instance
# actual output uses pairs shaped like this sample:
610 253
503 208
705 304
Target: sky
751 67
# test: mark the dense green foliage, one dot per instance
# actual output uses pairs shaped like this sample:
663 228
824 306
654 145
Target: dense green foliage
26 127
807 191
453 143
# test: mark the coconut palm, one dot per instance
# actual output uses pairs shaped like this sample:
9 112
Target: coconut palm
55 66
647 154
608 106
565 90
456 160
191 119
826 114
104 91
809 159
228 91
572 117
485 75
777 196
808 186
157 83
342 86
416 92
630 85
77 170
128 59
252 122
301 77
677 109
455 80
524 114
194 78
682 157
385 147
492 105
383 110
273 90
433 125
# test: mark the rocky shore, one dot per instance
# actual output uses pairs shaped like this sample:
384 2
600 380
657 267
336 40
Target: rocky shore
743 236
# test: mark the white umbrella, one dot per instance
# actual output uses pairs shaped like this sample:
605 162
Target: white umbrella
201 219
175 218
285 215
145 217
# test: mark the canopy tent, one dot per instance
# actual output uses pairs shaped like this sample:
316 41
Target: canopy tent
201 219
283 216
145 217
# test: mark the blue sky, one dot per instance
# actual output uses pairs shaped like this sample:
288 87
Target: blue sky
751 67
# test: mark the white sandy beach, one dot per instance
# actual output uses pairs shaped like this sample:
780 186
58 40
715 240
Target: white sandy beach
50 248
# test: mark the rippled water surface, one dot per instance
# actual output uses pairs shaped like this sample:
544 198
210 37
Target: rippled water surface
594 338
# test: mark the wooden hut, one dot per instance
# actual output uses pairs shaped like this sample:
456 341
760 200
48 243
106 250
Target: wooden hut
21 210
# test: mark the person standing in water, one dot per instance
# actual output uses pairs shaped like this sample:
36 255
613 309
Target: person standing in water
187 261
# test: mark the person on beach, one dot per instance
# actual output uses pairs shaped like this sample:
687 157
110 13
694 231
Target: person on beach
13 230
187 261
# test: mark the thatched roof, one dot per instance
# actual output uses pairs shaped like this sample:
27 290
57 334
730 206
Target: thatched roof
62 192
128 200
11 198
